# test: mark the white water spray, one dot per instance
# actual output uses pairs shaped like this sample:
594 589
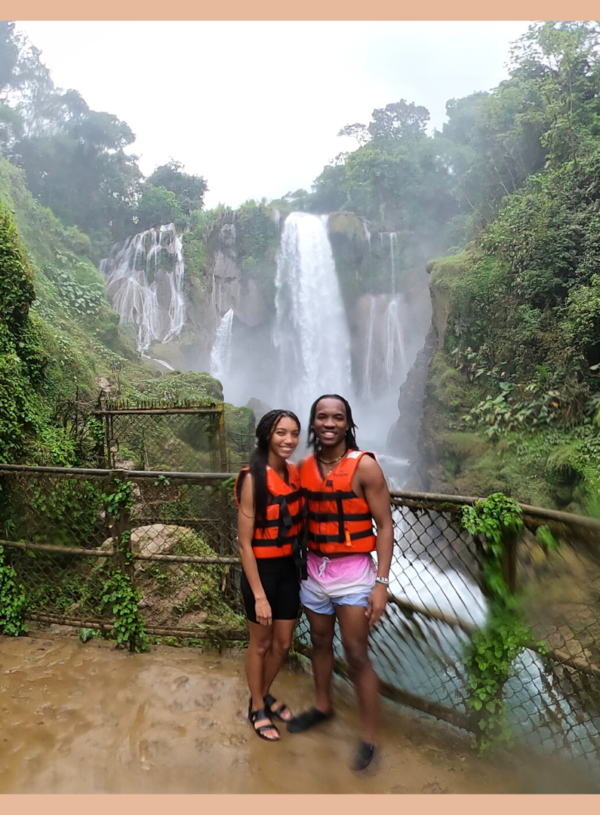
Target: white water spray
220 356
141 291
367 234
395 354
393 253
368 372
175 278
311 331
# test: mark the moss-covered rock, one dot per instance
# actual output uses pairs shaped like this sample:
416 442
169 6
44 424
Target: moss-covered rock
445 275
350 247
177 386
185 594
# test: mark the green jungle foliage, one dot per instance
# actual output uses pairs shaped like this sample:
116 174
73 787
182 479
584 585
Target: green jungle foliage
58 335
75 158
507 190
521 306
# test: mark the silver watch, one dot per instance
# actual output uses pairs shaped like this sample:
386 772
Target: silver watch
383 580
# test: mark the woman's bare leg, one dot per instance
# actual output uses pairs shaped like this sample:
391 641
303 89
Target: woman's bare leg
280 645
260 643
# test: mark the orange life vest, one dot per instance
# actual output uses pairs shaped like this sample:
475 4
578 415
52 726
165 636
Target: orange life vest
338 520
276 533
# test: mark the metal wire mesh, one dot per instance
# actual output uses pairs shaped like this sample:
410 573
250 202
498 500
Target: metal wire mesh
61 540
57 533
555 697
185 439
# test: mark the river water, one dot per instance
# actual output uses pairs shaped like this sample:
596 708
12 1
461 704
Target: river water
90 719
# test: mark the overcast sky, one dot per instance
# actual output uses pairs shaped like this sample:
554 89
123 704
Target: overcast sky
255 107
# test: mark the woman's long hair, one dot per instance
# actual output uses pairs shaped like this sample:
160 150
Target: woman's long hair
260 456
313 442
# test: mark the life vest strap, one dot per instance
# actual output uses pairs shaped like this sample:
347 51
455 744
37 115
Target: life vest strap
275 522
329 496
366 533
322 517
259 542
289 497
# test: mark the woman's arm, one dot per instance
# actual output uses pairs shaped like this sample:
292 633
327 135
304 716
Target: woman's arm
245 535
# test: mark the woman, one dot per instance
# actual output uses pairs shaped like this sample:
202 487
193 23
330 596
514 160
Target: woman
269 523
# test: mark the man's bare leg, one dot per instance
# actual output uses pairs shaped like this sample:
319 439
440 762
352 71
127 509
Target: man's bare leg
322 627
354 628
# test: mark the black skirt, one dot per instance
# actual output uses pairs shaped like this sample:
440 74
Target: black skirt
279 578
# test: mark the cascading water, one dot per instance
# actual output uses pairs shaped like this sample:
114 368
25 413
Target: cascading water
384 354
367 236
220 357
368 375
393 253
395 354
175 278
311 332
144 284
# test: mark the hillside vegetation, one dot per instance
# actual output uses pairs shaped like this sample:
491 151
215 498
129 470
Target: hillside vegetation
506 197
514 389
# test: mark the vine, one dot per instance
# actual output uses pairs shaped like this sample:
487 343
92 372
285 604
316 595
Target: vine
123 598
119 592
120 501
493 649
85 301
13 602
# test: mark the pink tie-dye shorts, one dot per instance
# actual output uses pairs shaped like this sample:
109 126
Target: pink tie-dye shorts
343 581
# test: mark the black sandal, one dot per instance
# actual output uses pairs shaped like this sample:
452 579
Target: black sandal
364 756
270 701
307 720
255 716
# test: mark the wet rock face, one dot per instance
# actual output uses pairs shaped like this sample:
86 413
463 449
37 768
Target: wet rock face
259 408
153 539
236 290
176 594
419 433
403 439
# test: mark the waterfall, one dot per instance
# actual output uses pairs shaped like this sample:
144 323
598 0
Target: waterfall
384 359
367 234
368 374
393 253
145 291
175 278
394 350
220 356
311 332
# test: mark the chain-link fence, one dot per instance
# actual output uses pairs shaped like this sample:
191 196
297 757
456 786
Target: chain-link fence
239 449
57 532
159 438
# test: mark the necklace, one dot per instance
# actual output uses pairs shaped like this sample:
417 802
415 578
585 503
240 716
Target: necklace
335 460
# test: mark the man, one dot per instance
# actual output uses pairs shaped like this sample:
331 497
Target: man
345 491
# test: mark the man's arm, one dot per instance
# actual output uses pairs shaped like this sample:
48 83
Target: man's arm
375 491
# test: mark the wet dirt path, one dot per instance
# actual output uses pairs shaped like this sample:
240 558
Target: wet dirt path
86 718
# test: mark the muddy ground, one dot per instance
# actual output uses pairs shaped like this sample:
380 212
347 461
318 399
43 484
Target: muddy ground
87 718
